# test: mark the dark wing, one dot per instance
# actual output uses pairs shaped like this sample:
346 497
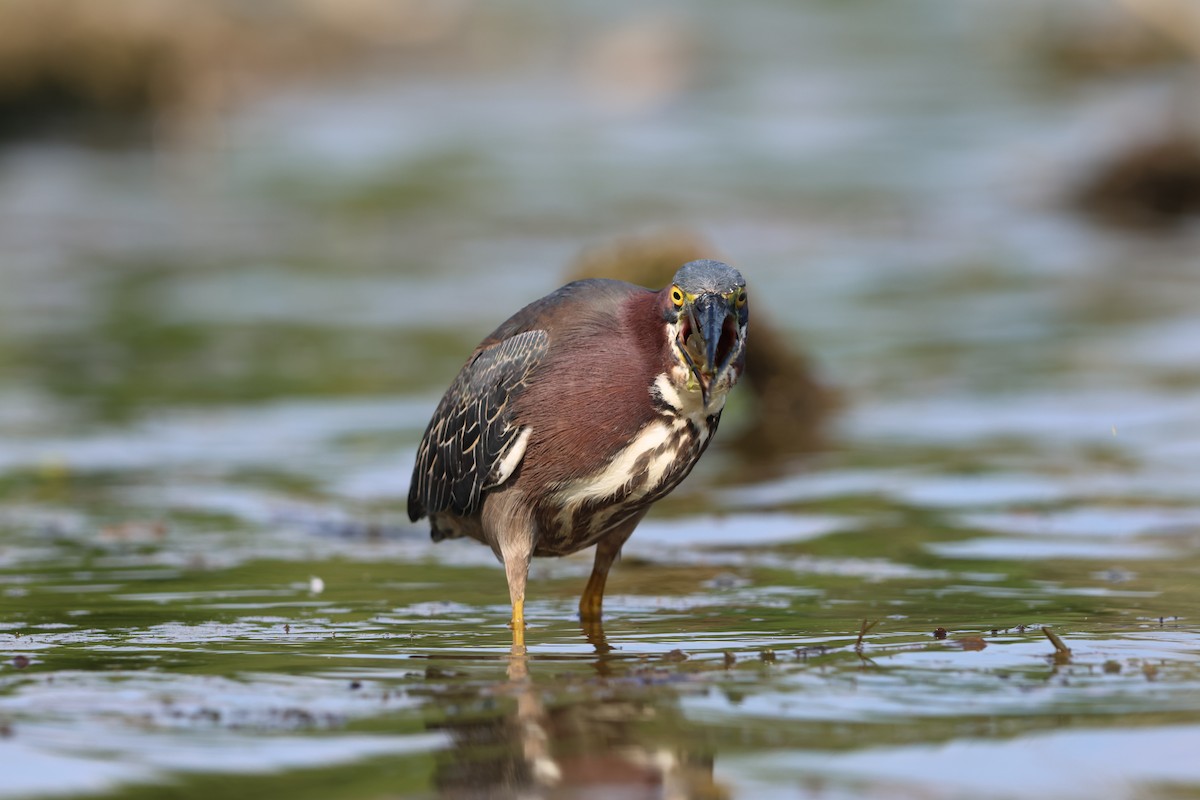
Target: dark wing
472 429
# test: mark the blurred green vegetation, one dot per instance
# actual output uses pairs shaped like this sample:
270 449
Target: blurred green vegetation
136 357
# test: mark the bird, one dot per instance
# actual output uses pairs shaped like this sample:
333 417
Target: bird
786 403
575 415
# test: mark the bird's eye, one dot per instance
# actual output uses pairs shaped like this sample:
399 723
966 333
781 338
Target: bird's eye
676 296
741 298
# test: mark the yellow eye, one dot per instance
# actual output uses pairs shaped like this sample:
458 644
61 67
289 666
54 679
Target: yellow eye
676 296
741 298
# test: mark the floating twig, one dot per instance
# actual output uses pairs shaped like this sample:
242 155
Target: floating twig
863 630
1062 653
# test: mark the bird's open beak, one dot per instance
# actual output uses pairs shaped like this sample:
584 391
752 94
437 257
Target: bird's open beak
710 318
711 311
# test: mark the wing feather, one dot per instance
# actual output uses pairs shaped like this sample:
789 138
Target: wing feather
473 443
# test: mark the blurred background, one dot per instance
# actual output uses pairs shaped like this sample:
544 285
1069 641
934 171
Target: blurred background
244 247
219 203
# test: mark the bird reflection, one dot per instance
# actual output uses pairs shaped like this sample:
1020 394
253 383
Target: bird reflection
537 732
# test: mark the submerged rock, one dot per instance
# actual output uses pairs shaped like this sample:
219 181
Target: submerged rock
1152 185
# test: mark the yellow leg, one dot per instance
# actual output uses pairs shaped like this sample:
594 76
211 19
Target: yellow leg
592 601
518 623
607 551
505 513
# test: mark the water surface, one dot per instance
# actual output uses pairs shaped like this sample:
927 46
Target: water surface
215 378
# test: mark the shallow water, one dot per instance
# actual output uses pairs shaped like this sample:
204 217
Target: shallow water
217 366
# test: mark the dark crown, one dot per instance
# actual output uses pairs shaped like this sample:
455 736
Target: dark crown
706 275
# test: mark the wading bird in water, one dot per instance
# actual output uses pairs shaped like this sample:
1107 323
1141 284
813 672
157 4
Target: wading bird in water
578 413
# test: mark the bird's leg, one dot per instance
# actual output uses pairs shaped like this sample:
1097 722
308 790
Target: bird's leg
509 527
607 550
593 594
516 569
516 551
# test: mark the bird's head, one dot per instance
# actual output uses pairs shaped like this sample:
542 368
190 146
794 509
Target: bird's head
706 310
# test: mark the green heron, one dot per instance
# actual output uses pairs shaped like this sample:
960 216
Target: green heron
578 413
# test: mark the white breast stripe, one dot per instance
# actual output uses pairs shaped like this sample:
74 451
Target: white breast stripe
619 471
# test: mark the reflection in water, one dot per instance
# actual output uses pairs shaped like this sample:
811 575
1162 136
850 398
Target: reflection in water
607 734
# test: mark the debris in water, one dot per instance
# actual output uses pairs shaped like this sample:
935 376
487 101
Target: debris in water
971 643
1062 653
863 630
802 653
134 532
